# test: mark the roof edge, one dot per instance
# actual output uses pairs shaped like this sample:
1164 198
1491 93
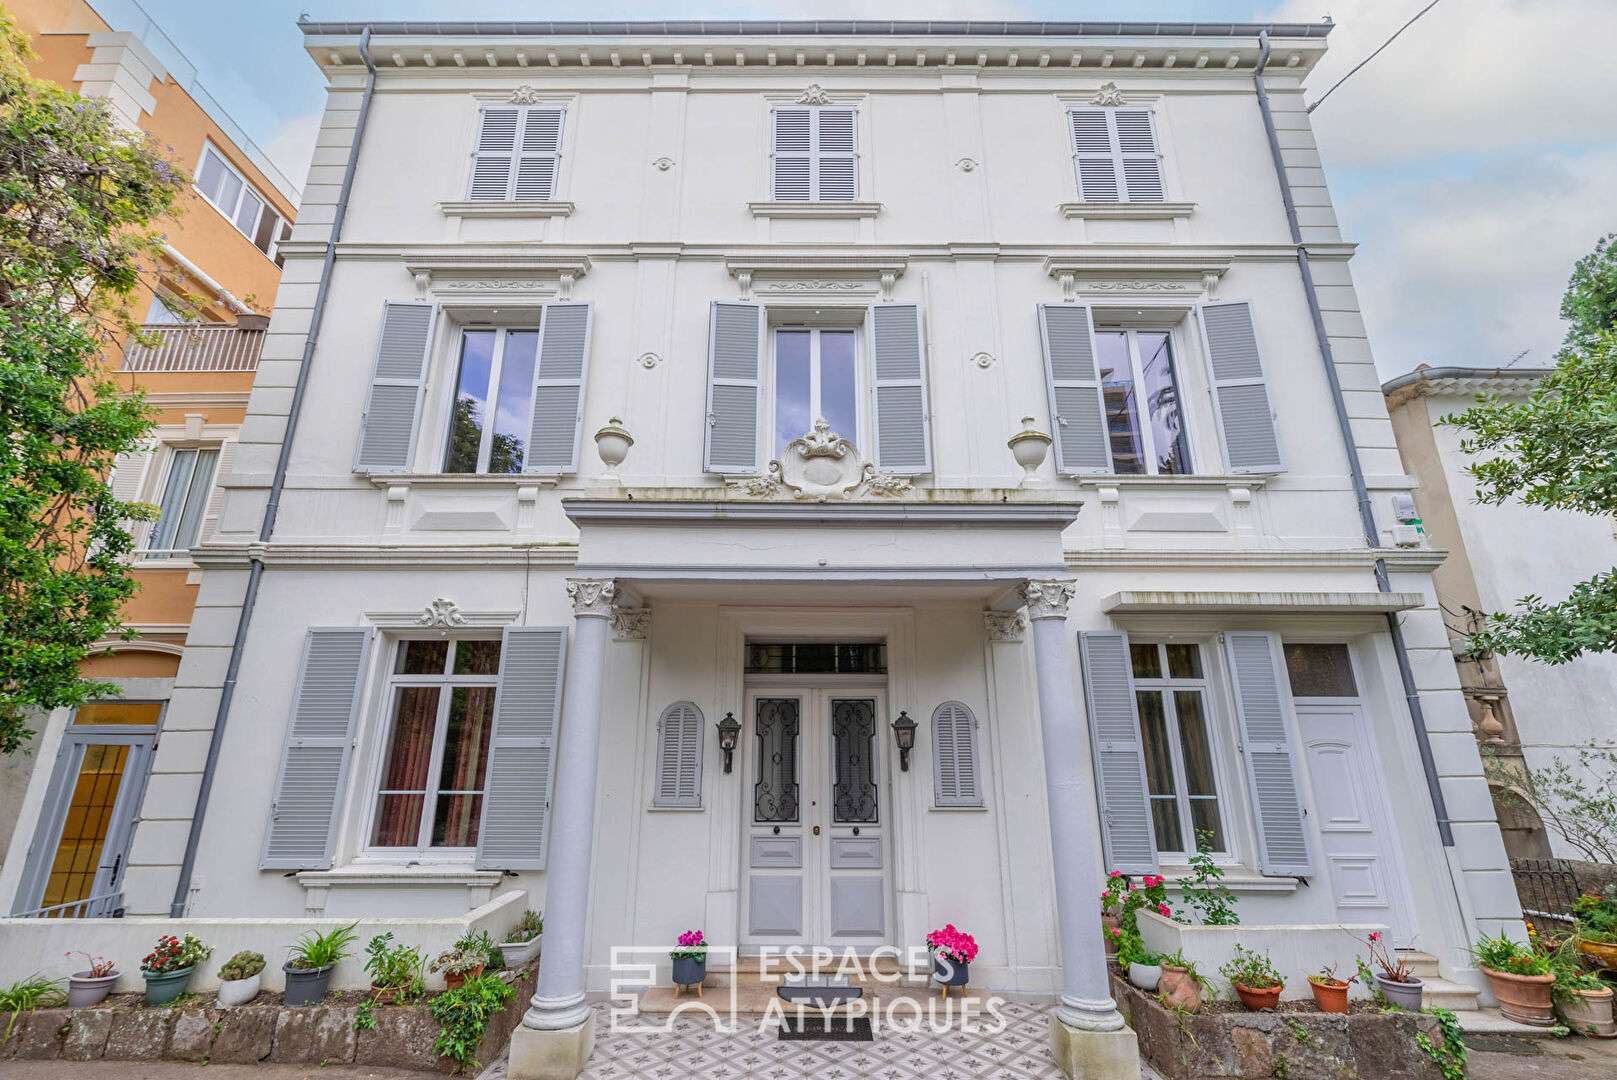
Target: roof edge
1427 374
820 28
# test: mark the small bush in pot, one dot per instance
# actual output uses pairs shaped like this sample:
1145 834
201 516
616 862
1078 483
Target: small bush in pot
308 971
460 963
1521 977
1255 979
522 943
1330 993
168 967
1145 971
1597 928
1396 983
1181 984
91 986
952 953
1583 998
239 978
690 960
395 970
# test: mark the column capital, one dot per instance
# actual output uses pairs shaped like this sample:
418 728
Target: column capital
1047 599
1003 625
592 597
630 623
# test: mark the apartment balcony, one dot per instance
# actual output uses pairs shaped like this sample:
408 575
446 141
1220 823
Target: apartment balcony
184 347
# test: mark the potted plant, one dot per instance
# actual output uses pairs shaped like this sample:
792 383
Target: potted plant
395 970
1521 977
1255 979
1330 993
1111 912
167 968
1583 999
522 943
690 961
308 970
239 978
952 953
1181 984
87 988
1145 971
1396 981
1597 928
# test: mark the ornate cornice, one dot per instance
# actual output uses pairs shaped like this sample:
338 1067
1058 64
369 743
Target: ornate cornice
592 597
1047 599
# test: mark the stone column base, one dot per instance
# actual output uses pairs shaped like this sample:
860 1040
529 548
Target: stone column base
554 1055
1083 1055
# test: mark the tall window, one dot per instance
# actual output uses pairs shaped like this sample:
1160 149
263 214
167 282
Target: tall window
184 503
518 154
815 156
1170 689
441 702
816 374
1114 152
1144 417
488 430
224 187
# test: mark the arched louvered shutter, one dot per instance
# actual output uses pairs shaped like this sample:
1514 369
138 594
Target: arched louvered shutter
735 363
515 831
387 433
558 389
1072 377
314 760
954 756
899 360
679 756
1114 733
1246 420
1271 764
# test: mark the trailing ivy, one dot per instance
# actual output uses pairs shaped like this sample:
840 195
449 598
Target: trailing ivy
464 1014
1450 1057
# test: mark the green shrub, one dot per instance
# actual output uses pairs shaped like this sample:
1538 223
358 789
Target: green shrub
244 965
464 1014
314 950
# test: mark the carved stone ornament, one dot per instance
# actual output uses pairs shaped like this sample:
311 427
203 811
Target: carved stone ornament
1138 285
1003 625
814 95
664 163
822 465
524 95
984 360
649 360
816 285
1047 599
592 596
630 624
1108 94
966 164
442 614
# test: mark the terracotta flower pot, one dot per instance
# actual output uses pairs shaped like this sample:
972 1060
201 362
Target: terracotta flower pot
1330 997
1589 1013
1258 999
1525 999
456 980
1177 990
386 995
1604 951
1108 923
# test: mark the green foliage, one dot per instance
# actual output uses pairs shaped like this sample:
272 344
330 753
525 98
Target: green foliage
244 965
80 194
1298 1031
1590 302
1579 803
1597 917
390 966
1251 969
364 1016
25 995
466 436
314 950
175 954
1367 978
1510 956
1125 899
1177 959
1450 1057
1204 889
479 943
464 1014
531 926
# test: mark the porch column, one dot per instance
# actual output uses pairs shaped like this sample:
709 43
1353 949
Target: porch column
558 1030
1087 1033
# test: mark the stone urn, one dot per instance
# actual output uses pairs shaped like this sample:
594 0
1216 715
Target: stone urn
612 442
1588 1012
1029 447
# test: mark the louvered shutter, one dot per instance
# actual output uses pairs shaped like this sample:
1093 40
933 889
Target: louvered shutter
954 756
679 756
514 832
216 500
1246 420
314 761
387 435
792 155
899 360
497 134
1077 410
1137 152
1094 161
1114 152
128 483
1114 734
558 389
1271 765
735 361
836 155
539 155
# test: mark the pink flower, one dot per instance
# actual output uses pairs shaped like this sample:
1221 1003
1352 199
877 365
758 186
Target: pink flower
1133 887
1163 908
1115 873
1103 896
1117 932
1375 935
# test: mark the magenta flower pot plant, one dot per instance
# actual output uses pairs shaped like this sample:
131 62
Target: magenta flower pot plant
952 953
690 959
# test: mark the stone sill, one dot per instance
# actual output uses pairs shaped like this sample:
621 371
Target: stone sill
363 875
508 480
495 209
1157 211
820 210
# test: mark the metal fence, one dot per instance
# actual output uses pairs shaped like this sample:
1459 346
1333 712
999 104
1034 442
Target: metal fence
195 348
105 906
1547 889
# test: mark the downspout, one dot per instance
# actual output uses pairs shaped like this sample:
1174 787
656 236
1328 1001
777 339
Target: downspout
277 484
1367 519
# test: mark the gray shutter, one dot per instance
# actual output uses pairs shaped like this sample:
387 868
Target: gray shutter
679 756
495 154
1114 734
216 500
387 433
792 155
1246 420
128 483
541 148
558 389
899 362
1271 766
514 833
1137 150
1093 160
1077 409
735 360
314 761
836 158
954 756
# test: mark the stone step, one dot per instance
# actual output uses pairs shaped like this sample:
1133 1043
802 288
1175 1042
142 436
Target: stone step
1422 964
1440 993
1494 1022
779 965
751 996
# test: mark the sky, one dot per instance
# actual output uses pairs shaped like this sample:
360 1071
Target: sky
1473 162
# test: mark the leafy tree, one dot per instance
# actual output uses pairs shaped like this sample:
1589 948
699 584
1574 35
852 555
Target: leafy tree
77 196
1556 450
466 435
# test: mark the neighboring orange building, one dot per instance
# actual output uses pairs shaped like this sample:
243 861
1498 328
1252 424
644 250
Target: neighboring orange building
69 822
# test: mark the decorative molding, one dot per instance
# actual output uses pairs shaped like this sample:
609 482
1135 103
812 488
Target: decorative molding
1127 211
525 95
592 597
815 285
814 95
1047 599
1003 625
816 210
649 360
441 614
490 208
630 624
664 163
762 487
822 465
966 164
1137 285
1108 94
983 360
886 484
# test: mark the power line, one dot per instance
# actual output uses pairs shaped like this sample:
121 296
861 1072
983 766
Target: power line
1372 56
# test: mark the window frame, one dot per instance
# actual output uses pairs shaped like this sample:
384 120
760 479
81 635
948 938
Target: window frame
390 684
170 452
815 154
1137 375
518 153
861 389
1116 154
230 215
495 371
1166 685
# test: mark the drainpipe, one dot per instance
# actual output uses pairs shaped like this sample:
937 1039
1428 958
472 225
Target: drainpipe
1366 517
256 568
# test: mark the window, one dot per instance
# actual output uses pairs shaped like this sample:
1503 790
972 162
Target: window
184 503
219 183
679 756
1320 670
815 155
816 375
954 756
161 313
518 154
1170 690
489 428
441 707
1144 425
1114 154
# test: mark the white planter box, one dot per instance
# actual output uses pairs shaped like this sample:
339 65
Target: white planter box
1295 951
518 953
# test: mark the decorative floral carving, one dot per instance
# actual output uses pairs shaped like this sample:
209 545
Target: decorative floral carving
814 95
441 613
822 465
1108 94
983 360
1047 599
1138 286
885 483
1003 625
525 95
490 285
630 624
592 596
813 286
761 486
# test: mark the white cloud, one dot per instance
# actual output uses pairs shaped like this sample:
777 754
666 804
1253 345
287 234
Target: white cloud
292 146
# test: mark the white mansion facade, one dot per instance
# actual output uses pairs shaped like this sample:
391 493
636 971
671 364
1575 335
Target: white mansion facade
475 655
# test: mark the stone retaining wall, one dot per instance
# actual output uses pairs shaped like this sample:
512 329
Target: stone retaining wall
247 1034
1219 1046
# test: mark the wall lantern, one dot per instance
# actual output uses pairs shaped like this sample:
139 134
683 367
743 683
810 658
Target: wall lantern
904 736
729 732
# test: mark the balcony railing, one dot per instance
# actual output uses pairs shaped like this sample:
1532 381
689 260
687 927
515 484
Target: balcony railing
198 348
105 906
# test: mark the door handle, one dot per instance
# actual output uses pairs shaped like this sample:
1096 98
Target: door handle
816 830
856 830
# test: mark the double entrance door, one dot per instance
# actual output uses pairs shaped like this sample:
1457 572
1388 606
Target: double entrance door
815 811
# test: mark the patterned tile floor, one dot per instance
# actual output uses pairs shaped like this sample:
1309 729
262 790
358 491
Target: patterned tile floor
694 1050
